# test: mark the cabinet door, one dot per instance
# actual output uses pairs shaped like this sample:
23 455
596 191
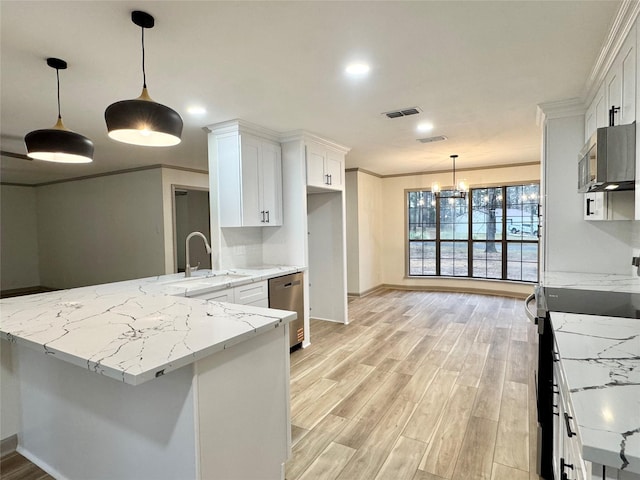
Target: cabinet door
595 206
613 93
590 121
315 166
628 81
271 184
250 158
335 170
602 111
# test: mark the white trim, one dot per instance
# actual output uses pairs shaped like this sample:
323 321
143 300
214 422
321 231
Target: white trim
559 109
303 135
237 125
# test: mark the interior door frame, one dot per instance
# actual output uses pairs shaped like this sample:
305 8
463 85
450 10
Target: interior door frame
175 187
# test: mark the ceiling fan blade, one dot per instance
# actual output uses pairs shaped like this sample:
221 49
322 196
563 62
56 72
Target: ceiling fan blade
21 156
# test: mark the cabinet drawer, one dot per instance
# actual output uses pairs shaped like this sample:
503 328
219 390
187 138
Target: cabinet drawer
217 296
253 292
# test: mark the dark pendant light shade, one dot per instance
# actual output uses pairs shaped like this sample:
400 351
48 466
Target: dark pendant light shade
58 144
142 121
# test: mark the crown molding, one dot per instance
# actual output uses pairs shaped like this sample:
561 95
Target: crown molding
304 135
621 26
239 126
559 109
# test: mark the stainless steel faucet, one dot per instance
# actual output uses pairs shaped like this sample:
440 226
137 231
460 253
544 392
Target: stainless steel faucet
188 269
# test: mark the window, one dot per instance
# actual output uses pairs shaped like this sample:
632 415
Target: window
493 233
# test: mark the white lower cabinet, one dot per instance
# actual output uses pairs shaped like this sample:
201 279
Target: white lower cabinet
256 294
568 463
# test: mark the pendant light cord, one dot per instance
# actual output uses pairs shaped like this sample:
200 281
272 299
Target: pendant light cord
58 81
144 74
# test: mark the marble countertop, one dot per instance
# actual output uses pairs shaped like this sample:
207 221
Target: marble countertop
591 281
600 358
136 330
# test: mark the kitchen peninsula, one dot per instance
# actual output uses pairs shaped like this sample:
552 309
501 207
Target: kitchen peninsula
196 388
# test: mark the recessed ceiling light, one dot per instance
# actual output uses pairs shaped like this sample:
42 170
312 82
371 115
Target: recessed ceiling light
357 69
196 110
424 127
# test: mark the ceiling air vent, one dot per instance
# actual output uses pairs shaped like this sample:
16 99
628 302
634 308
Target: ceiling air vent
439 138
405 112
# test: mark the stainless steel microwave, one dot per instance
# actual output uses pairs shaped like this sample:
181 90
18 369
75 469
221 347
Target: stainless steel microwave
608 160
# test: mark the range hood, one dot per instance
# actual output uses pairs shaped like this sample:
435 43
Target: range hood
608 161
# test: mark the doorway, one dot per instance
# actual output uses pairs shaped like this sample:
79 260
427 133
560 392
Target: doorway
190 214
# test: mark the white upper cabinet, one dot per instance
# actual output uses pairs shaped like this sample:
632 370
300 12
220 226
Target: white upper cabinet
249 179
325 167
618 90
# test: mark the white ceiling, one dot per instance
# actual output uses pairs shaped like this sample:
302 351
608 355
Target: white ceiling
477 70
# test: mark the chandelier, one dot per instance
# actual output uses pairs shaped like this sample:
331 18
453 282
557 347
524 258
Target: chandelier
460 188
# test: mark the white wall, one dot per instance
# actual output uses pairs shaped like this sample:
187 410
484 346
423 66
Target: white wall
371 226
365 227
19 264
101 229
353 256
392 213
182 178
571 243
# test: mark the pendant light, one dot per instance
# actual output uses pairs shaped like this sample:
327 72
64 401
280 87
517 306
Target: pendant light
142 121
460 188
58 143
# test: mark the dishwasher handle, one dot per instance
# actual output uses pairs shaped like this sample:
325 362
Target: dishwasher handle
288 284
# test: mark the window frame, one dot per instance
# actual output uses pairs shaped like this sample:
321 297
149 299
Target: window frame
504 240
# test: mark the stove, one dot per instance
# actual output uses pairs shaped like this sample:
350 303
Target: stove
591 302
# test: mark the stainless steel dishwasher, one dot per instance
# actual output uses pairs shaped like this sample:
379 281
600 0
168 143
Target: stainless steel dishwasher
285 293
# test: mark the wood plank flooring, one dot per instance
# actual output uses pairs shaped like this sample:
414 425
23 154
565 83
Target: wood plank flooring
418 386
14 466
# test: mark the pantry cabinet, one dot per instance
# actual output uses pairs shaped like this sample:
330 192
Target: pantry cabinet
249 172
325 168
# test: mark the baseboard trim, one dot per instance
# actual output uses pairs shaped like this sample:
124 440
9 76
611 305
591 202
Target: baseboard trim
8 445
369 291
435 288
329 320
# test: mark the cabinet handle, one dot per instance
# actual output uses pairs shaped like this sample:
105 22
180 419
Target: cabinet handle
570 433
555 356
267 216
564 465
262 212
589 200
330 180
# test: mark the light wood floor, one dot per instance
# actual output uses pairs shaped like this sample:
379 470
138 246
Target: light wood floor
419 386
14 466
